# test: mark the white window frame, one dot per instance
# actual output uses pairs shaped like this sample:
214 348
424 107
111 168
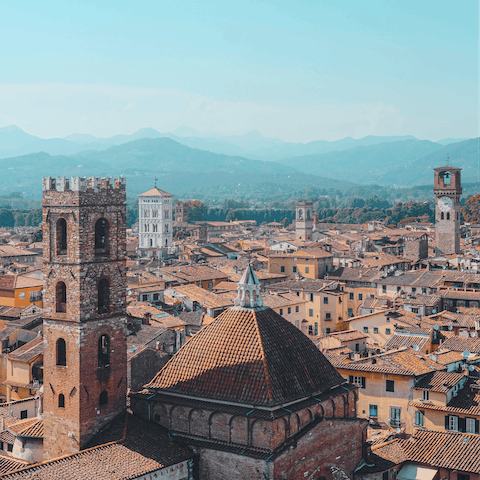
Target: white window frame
453 423
470 425
425 396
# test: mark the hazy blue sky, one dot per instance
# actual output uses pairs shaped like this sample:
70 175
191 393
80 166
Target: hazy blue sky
297 70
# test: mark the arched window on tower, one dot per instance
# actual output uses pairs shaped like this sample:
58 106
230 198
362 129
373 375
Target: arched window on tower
103 296
61 352
61 401
61 235
103 398
102 230
448 215
442 216
103 351
447 178
60 298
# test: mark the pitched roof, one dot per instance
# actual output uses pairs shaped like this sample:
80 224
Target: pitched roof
453 451
155 192
395 362
145 448
248 356
29 427
28 352
439 381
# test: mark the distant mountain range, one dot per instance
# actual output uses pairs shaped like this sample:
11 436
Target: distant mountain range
15 142
211 165
181 170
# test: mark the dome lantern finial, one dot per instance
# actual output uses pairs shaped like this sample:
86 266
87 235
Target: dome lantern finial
249 290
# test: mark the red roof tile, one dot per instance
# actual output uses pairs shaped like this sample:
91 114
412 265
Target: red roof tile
248 356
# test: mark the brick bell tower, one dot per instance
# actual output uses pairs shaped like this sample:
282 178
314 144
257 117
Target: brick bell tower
85 357
447 189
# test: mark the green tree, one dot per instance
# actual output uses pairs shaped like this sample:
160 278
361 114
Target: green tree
6 218
34 218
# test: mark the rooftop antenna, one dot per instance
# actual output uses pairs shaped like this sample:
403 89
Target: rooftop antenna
156 182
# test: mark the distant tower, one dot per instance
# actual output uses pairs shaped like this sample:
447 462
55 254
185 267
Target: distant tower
304 221
85 355
448 190
181 212
154 221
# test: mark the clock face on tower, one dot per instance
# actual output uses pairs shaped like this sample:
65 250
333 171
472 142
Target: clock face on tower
445 204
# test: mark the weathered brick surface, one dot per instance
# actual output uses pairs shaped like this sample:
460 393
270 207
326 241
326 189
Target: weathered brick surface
81 266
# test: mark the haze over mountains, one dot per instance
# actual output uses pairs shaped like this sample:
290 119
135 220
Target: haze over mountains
238 165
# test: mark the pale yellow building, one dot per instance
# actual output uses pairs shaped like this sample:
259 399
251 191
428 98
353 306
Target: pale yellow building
386 385
308 263
325 303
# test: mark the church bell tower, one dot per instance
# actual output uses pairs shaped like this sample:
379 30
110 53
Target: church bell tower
447 189
304 221
85 355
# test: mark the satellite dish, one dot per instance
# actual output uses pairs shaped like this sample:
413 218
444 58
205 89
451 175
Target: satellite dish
434 310
397 430
450 327
466 354
415 347
436 327
472 334
470 368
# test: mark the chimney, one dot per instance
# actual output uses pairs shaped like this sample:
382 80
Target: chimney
146 318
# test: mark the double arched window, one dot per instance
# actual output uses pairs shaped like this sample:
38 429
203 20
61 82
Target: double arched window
60 297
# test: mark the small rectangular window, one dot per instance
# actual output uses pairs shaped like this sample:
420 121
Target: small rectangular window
327 331
307 269
350 312
390 386
289 310
360 296
9 447
365 329
328 316
351 296
325 300
384 289
297 309
387 331
452 423
310 312
310 330
23 414
282 269
395 419
281 311
375 329
316 328
294 269
425 395
419 418
310 296
373 410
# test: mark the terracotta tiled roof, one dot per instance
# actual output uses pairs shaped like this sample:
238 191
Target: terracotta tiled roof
155 192
29 427
28 352
395 362
439 381
248 356
399 341
453 451
460 344
144 449
9 464
348 335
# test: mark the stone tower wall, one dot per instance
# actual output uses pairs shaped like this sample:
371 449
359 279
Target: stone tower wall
81 266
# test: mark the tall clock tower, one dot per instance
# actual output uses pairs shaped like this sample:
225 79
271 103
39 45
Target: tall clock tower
448 190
